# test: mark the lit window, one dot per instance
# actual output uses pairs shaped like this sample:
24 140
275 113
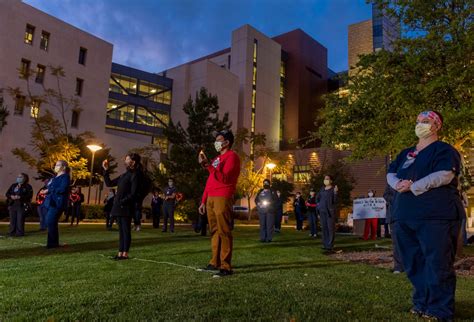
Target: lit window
79 86
154 119
255 44
254 98
44 40
282 69
29 34
35 108
162 142
254 75
19 104
25 68
82 55
40 72
122 84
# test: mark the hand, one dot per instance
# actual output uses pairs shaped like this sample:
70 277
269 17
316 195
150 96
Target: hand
45 191
404 186
105 165
202 158
336 189
202 209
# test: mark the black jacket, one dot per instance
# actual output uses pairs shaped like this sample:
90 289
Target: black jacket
268 196
25 192
126 196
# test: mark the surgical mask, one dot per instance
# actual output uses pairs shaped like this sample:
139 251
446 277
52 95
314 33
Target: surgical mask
57 169
423 130
218 146
371 194
311 194
20 180
327 182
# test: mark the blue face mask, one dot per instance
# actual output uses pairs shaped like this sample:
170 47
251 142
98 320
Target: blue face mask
20 180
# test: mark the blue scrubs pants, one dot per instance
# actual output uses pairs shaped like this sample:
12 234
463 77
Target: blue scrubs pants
428 249
52 218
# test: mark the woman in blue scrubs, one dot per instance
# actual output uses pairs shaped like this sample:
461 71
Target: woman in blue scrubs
57 195
426 214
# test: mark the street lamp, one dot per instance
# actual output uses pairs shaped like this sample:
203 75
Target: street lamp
94 148
271 166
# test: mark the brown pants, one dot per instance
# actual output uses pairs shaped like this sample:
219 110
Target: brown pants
219 214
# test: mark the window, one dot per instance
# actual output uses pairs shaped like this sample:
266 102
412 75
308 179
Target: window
75 119
82 55
40 72
19 104
255 44
79 85
162 142
254 76
124 113
25 68
301 173
122 84
228 61
44 44
35 108
282 69
29 34
155 93
151 118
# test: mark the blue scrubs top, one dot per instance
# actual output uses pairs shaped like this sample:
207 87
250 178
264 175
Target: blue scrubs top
442 203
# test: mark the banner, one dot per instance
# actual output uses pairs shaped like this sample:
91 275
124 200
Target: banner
369 208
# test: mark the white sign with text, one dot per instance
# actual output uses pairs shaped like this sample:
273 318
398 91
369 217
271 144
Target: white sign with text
365 208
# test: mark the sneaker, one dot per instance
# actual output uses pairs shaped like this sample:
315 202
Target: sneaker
416 312
430 317
396 272
223 273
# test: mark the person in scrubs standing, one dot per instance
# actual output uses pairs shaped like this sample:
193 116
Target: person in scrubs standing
427 213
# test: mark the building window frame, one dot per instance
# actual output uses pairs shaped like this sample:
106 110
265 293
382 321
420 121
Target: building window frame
79 86
40 73
35 108
20 102
44 43
29 34
75 118
25 68
82 56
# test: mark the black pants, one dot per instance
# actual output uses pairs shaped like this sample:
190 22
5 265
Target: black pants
168 212
109 220
17 220
156 214
203 224
75 213
125 233
137 215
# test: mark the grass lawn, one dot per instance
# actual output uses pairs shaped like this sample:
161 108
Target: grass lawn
289 279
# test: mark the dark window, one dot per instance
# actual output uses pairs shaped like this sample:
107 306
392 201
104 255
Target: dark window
75 119
82 56
29 34
44 40
228 61
19 104
40 72
25 68
79 85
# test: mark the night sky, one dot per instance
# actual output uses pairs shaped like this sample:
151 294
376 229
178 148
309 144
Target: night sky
155 35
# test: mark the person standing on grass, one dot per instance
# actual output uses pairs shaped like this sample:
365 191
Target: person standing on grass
279 211
156 205
427 212
18 199
109 202
40 197
370 226
56 201
327 203
125 200
299 207
218 199
266 201
388 195
312 213
169 205
75 205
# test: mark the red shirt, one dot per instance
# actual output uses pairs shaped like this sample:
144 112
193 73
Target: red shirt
224 172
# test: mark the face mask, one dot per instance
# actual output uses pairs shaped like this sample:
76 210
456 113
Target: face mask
20 180
327 182
311 194
57 169
218 146
371 194
423 130
170 184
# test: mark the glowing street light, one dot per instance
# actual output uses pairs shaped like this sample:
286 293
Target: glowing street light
270 166
94 148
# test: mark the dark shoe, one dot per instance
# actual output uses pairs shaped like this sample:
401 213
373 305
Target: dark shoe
121 258
116 257
223 273
430 317
210 268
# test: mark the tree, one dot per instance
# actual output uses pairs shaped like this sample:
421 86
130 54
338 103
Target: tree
3 112
286 188
51 138
341 177
430 68
181 164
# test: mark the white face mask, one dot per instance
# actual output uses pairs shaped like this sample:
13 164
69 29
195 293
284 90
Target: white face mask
371 194
423 130
218 146
327 182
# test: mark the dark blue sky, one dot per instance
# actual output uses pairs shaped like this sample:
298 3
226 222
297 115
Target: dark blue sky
154 35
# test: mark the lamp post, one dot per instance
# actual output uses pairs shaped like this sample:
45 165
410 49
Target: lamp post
271 166
94 148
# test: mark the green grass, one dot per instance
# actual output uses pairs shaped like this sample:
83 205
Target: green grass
289 279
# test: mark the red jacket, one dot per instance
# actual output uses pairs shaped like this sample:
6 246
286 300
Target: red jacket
224 172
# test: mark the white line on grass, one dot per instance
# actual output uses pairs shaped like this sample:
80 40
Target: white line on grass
161 263
22 241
